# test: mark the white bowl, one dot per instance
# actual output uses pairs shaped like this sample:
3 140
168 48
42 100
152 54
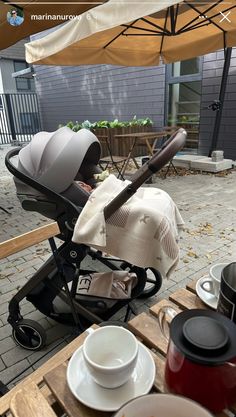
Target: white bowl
162 405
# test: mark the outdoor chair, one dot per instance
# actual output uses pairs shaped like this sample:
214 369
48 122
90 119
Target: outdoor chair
169 130
108 160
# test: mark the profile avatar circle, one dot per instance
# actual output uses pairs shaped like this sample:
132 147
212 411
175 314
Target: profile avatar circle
15 17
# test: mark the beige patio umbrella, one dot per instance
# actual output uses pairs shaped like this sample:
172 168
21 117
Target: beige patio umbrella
38 16
139 33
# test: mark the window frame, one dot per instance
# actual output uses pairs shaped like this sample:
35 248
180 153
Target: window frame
29 86
170 80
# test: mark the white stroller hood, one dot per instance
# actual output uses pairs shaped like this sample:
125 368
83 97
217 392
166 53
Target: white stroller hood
54 158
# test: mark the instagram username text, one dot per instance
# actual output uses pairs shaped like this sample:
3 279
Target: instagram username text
62 17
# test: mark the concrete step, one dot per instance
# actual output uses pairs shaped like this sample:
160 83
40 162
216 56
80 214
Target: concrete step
202 163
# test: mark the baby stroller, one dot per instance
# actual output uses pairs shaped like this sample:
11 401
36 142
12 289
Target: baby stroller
46 181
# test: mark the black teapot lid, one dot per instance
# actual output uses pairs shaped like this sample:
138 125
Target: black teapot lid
204 336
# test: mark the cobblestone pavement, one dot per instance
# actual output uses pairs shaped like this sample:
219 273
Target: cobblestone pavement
208 206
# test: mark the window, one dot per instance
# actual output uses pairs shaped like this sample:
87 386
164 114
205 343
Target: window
23 84
184 97
29 122
190 66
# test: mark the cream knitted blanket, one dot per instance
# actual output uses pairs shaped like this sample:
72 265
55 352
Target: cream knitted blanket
143 231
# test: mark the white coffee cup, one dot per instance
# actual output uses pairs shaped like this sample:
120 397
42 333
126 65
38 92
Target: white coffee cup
110 354
212 285
162 405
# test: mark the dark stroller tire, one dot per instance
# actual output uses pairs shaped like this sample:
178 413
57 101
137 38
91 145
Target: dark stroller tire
29 334
153 283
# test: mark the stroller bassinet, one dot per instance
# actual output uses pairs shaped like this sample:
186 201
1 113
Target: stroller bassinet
46 179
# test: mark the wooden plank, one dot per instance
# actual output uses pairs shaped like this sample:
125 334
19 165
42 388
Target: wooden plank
163 303
45 391
192 286
159 383
29 402
146 327
56 381
38 374
186 299
28 239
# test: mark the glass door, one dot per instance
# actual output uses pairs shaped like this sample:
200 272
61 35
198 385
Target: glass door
184 97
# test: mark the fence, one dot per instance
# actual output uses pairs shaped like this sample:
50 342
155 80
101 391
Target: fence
19 117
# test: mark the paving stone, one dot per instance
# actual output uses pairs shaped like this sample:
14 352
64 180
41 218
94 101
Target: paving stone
9 270
38 357
26 265
21 253
12 286
12 371
15 355
3 318
58 331
3 308
26 309
34 315
6 297
22 374
50 354
44 322
23 274
4 282
5 331
2 365
6 345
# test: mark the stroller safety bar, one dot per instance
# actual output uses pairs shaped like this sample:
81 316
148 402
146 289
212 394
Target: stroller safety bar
174 144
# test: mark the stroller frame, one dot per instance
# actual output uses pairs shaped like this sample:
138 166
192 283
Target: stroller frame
84 309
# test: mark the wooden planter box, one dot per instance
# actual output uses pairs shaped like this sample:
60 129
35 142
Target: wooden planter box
120 146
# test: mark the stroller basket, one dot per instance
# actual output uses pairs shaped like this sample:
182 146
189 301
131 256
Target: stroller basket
53 288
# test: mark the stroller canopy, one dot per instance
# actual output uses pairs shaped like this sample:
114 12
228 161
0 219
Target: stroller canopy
54 158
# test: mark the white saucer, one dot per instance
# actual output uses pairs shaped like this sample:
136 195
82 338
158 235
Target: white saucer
94 396
208 298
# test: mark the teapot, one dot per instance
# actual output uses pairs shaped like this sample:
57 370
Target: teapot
201 356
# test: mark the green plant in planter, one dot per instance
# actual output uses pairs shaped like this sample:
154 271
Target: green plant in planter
117 124
134 121
146 122
73 126
141 122
86 124
69 124
101 124
77 126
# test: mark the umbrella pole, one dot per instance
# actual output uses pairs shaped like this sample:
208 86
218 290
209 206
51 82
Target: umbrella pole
218 117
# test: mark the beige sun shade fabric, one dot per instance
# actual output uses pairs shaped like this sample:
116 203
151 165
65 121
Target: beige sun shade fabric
108 38
9 35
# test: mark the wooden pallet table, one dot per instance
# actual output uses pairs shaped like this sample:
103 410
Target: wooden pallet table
45 391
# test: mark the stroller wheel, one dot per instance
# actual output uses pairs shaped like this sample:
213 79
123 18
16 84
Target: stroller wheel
29 334
153 283
153 279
